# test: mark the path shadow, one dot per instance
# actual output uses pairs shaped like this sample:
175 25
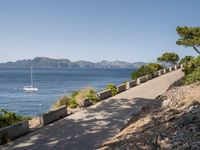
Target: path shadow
83 130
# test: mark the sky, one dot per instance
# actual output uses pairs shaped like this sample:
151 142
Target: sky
94 30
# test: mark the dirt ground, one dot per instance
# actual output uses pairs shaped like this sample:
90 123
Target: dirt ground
172 121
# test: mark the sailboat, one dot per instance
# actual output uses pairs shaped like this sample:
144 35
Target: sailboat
30 87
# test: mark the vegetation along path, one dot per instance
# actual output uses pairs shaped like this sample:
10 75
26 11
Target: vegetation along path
90 127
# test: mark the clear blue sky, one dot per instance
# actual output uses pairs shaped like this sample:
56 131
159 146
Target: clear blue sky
130 30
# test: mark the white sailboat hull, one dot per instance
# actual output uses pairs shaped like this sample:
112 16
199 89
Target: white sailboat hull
30 88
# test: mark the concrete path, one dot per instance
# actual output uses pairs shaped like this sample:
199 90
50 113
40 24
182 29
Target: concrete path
92 126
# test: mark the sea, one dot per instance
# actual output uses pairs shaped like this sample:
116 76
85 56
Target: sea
52 83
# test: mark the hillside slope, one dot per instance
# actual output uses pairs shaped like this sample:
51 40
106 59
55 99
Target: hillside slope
172 121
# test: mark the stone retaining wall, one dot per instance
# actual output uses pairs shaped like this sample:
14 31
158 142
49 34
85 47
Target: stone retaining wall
11 132
182 66
161 72
104 94
53 115
149 77
141 80
166 70
177 67
156 74
131 84
121 88
172 68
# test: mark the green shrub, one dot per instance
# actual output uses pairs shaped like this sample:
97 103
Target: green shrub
72 100
146 70
193 77
86 93
74 93
73 103
191 65
186 59
92 96
113 89
169 57
192 70
8 118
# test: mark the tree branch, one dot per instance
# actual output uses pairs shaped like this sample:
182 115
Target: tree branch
196 49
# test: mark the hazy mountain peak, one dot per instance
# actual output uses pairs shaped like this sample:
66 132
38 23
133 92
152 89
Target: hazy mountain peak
45 62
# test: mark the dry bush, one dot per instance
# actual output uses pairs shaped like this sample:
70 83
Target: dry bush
63 100
73 100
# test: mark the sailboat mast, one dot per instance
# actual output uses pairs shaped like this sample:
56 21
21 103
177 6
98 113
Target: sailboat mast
31 77
30 87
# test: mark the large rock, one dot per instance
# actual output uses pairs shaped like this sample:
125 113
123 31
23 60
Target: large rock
84 102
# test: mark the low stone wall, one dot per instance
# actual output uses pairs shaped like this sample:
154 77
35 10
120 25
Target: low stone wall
156 74
141 80
131 84
121 88
166 70
182 66
177 66
171 68
13 131
53 115
149 77
161 72
104 94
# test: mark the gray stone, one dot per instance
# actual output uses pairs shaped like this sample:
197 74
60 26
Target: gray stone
171 68
166 70
182 66
13 131
121 88
161 72
155 74
53 115
141 80
131 84
177 67
84 102
104 94
149 77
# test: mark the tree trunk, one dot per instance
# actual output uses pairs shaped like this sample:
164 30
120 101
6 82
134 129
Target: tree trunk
196 49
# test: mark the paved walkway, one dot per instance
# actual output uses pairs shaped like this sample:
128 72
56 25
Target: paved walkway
92 126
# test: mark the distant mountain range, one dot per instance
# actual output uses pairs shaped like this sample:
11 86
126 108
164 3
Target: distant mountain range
44 62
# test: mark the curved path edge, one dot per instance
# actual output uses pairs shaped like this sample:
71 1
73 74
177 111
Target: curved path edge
90 127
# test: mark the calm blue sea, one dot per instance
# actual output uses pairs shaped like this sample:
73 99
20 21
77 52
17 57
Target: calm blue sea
52 83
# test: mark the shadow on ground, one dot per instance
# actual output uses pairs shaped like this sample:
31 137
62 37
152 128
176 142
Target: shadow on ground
83 130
